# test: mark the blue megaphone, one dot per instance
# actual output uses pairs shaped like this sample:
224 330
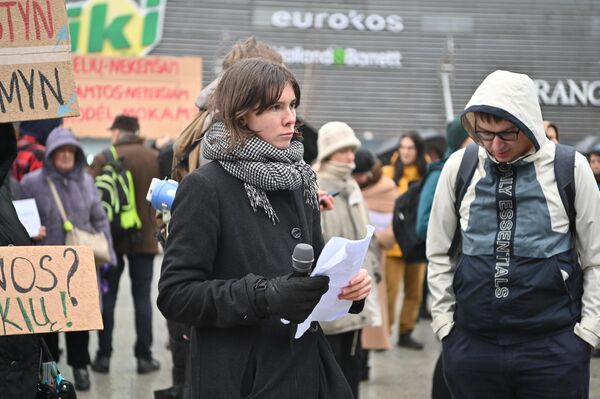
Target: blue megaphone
161 194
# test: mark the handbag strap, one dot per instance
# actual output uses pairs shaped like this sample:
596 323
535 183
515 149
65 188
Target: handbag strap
45 350
59 203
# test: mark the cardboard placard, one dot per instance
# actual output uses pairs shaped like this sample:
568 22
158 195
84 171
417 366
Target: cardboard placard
48 289
160 91
36 77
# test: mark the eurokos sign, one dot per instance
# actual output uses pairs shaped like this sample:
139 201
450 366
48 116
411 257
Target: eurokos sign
351 19
115 27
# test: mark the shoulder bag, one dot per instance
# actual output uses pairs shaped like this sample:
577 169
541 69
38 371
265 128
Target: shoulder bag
76 236
52 385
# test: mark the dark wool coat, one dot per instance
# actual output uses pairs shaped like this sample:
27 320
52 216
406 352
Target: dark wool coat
142 161
217 247
19 354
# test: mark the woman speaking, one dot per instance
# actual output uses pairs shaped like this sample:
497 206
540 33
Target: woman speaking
227 264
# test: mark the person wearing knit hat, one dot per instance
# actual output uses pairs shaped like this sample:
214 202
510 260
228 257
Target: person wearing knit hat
31 145
363 161
334 136
455 135
337 145
457 138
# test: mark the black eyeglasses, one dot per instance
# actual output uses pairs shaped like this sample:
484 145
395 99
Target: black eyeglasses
505 135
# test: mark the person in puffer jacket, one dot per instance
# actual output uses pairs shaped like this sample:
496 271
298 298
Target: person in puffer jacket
518 311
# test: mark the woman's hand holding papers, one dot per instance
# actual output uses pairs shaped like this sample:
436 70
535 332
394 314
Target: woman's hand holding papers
358 288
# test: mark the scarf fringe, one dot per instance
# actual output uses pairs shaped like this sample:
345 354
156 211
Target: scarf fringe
258 198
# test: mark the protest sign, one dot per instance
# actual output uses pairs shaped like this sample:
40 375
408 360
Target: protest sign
48 289
36 77
159 91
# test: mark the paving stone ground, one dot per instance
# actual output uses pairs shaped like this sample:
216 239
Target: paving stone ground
395 374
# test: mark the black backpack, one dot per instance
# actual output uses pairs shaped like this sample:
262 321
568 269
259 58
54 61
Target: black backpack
404 222
117 195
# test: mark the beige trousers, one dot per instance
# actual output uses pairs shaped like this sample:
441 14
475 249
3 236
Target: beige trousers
412 275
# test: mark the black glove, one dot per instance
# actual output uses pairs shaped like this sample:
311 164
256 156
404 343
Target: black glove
288 297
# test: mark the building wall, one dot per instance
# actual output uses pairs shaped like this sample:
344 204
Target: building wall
550 40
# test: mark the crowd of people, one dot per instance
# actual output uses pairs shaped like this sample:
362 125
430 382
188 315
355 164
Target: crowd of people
510 277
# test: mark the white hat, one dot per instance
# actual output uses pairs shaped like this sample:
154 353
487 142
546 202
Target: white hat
333 136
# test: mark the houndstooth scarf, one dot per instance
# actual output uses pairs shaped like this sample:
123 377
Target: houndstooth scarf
262 167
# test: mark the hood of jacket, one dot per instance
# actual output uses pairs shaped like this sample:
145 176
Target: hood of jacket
8 149
59 137
511 96
203 97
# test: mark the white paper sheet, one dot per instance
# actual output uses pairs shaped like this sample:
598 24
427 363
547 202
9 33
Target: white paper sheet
28 215
341 260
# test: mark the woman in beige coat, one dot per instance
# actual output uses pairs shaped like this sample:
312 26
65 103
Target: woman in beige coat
337 144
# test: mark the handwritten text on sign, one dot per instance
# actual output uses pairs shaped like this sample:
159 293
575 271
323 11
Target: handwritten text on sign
47 289
36 77
160 91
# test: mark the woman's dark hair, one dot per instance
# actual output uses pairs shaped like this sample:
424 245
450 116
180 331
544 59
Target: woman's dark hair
252 84
420 162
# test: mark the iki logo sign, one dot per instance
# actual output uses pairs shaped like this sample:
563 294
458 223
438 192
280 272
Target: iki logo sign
115 27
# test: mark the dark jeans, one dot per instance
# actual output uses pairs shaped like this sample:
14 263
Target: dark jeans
439 389
78 355
140 272
553 367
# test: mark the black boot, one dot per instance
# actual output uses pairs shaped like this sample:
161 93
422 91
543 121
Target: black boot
147 365
81 378
101 364
407 341
175 392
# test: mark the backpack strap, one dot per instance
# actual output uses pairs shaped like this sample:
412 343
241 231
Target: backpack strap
108 155
111 154
564 172
112 158
468 164
187 153
465 173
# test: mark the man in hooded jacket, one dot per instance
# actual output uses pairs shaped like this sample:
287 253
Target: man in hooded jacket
19 354
518 311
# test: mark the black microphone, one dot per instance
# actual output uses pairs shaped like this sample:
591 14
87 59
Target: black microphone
302 260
